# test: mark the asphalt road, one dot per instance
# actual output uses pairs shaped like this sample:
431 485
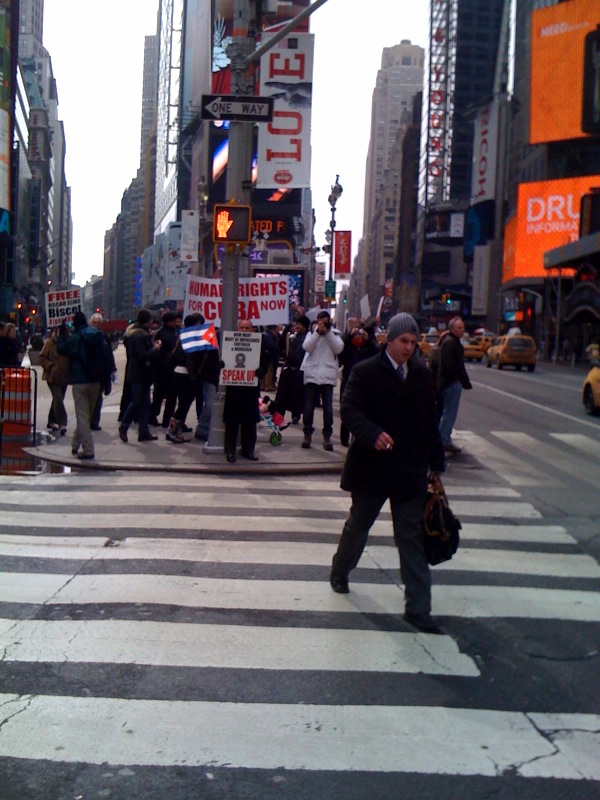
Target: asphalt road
175 636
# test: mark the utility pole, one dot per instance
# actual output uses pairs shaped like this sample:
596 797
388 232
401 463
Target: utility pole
242 53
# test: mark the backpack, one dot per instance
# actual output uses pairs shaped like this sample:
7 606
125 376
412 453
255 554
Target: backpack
94 357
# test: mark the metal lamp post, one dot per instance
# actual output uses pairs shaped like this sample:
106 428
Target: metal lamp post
202 197
336 193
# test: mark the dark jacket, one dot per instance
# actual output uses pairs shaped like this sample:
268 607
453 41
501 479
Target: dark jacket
352 354
163 363
452 364
376 400
73 348
141 355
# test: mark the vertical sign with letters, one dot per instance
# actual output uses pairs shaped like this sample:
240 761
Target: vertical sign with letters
284 144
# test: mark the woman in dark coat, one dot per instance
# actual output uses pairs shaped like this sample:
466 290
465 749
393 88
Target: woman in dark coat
241 409
290 390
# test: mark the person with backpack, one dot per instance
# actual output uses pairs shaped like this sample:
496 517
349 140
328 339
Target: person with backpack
89 366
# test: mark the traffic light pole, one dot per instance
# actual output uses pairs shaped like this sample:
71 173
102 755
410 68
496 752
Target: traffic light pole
242 53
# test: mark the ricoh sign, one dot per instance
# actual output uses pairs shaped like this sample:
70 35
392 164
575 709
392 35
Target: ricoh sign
438 102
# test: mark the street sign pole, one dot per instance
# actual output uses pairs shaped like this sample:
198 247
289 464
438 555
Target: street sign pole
242 53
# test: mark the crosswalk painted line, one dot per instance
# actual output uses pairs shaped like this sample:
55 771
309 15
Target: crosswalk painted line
218 518
302 737
580 442
514 470
176 580
233 647
546 453
285 551
296 596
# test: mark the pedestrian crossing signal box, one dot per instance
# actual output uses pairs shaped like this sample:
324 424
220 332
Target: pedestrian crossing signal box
232 224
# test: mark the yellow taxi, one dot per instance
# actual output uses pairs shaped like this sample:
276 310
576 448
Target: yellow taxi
475 347
427 341
591 391
516 351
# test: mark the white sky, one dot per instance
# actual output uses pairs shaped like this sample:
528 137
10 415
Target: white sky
97 52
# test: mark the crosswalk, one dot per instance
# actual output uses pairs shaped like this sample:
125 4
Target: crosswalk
152 624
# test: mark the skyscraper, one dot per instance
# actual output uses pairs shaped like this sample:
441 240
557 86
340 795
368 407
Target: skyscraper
398 81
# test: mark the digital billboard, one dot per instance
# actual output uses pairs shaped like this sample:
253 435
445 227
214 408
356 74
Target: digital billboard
547 217
558 48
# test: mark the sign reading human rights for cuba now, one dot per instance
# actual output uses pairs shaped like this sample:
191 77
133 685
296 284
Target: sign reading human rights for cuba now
264 301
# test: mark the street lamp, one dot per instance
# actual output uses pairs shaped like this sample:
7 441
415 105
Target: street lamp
336 193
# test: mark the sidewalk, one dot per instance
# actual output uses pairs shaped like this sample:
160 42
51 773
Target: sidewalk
111 453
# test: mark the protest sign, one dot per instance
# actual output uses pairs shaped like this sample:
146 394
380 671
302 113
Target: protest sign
240 352
264 301
61 306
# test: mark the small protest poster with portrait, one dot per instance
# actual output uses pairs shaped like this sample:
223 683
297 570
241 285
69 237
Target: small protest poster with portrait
241 353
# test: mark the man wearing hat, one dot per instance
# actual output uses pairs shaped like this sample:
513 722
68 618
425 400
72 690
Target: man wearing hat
388 406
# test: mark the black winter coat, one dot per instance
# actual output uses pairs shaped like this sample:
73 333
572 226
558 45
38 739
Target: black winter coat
452 364
141 355
376 400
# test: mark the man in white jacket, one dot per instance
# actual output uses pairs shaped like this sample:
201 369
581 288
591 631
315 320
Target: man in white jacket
320 367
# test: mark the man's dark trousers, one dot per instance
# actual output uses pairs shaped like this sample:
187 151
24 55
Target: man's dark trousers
406 518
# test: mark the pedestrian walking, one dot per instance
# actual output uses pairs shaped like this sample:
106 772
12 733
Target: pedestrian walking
89 365
56 373
452 379
96 322
388 407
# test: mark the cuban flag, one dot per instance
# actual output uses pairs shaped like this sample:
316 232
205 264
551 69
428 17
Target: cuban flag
199 337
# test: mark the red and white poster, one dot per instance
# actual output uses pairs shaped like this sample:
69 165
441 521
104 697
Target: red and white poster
62 306
342 253
264 301
284 143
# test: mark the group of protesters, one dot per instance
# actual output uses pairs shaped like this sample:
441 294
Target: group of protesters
300 367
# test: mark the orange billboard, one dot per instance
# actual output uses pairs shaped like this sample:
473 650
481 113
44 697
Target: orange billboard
547 217
558 48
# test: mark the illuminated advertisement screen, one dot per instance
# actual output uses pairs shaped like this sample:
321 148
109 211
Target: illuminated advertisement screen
563 39
547 217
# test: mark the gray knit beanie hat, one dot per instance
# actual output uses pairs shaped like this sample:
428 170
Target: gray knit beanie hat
401 323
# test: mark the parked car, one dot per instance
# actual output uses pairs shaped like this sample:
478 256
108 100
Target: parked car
591 391
475 348
512 351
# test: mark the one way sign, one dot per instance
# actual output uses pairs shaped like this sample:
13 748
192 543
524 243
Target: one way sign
237 107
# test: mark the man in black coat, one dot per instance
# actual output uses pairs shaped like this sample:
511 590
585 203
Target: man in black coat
452 379
388 406
142 353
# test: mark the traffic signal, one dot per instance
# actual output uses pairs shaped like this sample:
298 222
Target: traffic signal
447 299
232 223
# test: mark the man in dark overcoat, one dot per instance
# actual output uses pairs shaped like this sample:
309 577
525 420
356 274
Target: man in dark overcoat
388 406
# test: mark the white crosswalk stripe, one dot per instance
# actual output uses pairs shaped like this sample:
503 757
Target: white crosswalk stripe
219 588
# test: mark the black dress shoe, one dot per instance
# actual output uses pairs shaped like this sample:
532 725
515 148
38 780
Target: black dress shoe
250 456
123 434
147 437
85 456
230 458
95 428
423 622
339 584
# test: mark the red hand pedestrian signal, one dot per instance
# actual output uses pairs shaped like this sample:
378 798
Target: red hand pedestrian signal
224 223
232 223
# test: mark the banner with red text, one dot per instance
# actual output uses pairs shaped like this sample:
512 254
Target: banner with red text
61 306
264 301
342 253
284 143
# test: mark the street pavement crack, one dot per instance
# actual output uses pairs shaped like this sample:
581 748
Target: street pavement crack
29 698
